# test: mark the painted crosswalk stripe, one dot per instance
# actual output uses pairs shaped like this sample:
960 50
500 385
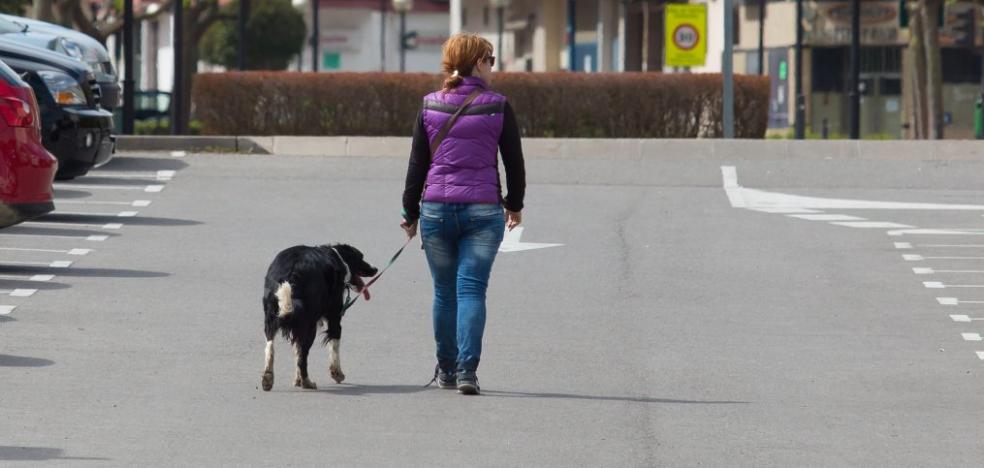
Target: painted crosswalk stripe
919 258
154 188
72 224
178 154
903 245
785 210
964 318
120 214
955 301
971 336
163 175
980 355
56 264
19 292
940 285
872 225
954 246
69 252
945 231
145 188
6 309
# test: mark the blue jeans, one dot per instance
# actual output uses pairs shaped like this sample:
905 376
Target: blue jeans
461 241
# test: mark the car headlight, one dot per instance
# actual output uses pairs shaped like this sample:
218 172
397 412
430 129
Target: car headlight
71 49
64 89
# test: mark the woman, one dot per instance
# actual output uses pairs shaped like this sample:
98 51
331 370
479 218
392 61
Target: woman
461 217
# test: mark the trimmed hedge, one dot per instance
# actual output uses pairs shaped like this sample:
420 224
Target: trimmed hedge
579 105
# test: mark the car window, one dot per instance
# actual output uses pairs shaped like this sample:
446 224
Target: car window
9 76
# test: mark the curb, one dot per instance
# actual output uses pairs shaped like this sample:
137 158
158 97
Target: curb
632 148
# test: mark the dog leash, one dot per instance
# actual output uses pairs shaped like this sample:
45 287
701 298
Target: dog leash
350 300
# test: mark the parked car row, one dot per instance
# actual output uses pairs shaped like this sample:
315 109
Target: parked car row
57 92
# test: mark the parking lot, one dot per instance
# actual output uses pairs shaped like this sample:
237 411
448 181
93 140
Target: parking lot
726 311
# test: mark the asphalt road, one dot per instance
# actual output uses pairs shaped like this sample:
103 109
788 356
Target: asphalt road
688 319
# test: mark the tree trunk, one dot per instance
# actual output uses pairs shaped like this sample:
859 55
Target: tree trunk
934 68
44 10
917 77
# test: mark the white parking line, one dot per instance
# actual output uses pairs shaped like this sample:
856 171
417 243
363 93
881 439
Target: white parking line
147 188
954 301
939 285
18 292
6 309
826 217
964 318
69 223
70 252
930 271
137 203
34 278
919 258
872 225
56 264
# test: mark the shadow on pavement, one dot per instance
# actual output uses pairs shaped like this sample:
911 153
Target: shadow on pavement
7 360
66 193
503 394
94 272
96 180
38 454
39 285
356 390
7 318
70 218
123 163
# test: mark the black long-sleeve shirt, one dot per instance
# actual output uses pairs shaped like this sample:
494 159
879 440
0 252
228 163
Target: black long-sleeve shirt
512 159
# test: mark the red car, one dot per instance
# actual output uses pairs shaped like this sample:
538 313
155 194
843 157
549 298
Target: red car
26 168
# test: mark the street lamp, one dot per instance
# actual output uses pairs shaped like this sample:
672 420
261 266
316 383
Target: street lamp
402 7
500 9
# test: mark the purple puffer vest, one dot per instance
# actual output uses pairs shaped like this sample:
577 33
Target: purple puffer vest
465 167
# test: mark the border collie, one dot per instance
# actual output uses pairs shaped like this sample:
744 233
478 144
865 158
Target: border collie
305 286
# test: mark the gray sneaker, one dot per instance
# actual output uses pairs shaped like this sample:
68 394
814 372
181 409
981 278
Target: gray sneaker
468 383
446 380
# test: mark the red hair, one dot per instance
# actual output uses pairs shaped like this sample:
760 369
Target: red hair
459 56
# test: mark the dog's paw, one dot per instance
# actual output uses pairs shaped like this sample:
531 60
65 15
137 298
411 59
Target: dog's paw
267 381
337 375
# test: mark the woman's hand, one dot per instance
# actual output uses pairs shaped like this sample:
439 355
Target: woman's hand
513 218
409 228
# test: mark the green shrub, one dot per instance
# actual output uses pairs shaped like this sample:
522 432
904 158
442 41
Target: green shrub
609 105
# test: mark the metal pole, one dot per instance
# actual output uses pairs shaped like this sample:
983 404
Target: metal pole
571 33
761 46
177 89
382 35
243 16
315 33
854 106
129 74
403 41
727 69
800 122
500 12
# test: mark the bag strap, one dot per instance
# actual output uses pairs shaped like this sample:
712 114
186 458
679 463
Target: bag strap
454 117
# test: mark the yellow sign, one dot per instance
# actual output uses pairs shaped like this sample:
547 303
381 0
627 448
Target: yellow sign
686 34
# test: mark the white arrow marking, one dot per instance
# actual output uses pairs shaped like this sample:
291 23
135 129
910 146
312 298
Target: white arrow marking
511 243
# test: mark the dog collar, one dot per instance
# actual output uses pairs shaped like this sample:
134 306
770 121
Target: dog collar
348 272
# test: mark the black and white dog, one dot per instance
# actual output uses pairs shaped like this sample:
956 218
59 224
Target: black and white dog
304 286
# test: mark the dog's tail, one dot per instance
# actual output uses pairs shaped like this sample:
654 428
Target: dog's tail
284 301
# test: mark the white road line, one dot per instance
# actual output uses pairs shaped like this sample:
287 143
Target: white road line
56 264
136 203
22 292
34 278
919 258
6 309
940 285
826 217
954 301
931 271
964 318
971 336
903 245
70 252
872 225
931 232
69 223
785 210
147 188
729 176
121 214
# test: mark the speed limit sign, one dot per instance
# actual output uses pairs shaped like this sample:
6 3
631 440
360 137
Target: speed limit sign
686 34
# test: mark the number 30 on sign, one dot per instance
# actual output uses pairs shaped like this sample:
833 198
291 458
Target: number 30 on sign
686 34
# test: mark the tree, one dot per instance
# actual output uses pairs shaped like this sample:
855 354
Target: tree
924 70
275 33
13 7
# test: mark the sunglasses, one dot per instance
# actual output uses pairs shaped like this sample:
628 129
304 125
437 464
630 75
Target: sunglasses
491 60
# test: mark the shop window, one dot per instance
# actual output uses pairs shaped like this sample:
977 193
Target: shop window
890 87
961 66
